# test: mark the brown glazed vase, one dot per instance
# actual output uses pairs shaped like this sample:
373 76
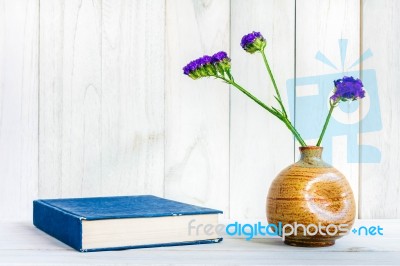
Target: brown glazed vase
311 191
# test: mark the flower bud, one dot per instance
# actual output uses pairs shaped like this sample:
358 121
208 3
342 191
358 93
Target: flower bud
253 42
222 62
208 66
348 89
201 67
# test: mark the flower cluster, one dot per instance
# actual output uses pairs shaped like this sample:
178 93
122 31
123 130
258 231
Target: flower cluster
347 89
219 66
208 66
253 42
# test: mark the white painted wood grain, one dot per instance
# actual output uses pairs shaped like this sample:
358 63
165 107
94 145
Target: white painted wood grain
194 257
102 98
18 107
70 99
106 70
380 183
22 244
319 26
261 146
133 97
196 112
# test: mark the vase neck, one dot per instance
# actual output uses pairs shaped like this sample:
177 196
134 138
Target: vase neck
311 156
311 152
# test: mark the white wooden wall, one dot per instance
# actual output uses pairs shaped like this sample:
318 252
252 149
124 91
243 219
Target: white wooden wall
93 100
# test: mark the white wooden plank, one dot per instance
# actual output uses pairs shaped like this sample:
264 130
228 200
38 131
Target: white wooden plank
133 97
160 257
24 236
19 29
21 243
196 112
380 184
261 145
331 21
101 98
70 99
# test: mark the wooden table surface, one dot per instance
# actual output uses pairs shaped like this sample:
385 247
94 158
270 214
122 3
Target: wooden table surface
22 244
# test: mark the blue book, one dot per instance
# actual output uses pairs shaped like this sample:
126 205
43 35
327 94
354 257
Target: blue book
125 222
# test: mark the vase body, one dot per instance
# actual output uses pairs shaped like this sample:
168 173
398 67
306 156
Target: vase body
311 192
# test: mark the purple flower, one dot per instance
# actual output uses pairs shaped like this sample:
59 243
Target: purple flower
253 42
250 38
190 67
220 56
206 59
348 88
201 67
222 62
208 66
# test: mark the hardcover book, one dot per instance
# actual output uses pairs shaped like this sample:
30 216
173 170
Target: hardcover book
124 222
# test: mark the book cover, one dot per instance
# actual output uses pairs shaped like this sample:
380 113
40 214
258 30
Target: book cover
122 222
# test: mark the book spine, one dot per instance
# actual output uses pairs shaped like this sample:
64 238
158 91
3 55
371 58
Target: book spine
60 224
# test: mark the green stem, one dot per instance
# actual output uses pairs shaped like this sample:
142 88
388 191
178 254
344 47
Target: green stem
278 95
326 124
254 98
269 109
295 132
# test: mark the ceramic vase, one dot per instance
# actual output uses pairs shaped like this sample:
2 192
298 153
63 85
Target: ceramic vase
314 194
